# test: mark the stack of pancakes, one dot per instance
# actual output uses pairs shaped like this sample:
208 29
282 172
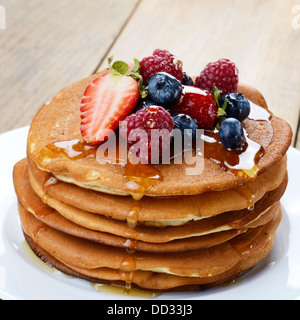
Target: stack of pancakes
150 226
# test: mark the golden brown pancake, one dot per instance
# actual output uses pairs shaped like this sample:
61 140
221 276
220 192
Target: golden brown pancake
160 211
31 202
151 280
152 271
77 222
60 121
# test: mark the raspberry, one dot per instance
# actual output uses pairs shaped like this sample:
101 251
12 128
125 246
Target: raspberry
198 104
147 120
222 74
161 61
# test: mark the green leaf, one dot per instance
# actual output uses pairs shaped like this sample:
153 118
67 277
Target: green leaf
217 95
220 120
221 108
224 105
221 112
137 66
142 89
120 67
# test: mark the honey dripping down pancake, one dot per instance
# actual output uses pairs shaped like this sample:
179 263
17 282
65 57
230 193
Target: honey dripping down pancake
155 211
89 210
133 237
239 252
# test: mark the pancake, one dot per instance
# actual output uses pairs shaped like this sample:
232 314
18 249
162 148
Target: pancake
59 121
30 202
77 222
162 211
146 270
150 280
154 226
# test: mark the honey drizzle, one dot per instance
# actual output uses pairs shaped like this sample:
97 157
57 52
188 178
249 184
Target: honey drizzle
118 290
49 181
133 216
130 245
141 177
127 268
39 230
73 150
241 162
248 195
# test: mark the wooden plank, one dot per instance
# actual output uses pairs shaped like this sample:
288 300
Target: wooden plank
258 35
50 44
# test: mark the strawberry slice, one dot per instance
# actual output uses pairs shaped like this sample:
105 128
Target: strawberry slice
106 102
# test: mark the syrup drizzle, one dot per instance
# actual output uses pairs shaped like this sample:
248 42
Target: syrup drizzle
130 245
141 177
247 194
50 181
133 216
39 230
73 150
241 162
127 268
121 291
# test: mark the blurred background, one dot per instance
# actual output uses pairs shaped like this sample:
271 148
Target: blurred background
47 44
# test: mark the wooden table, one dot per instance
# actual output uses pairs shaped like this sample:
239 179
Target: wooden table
49 44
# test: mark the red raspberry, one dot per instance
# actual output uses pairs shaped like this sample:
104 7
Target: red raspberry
223 74
147 120
161 61
198 104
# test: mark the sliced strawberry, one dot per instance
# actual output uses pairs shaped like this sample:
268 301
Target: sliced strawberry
106 102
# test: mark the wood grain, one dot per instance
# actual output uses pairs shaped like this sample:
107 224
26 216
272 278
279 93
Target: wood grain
257 35
50 44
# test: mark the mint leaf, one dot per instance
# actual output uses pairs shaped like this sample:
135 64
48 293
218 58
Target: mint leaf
120 67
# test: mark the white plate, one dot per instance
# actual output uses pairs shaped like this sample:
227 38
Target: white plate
23 277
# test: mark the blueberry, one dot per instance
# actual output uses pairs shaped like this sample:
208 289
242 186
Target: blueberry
164 89
183 121
231 133
238 106
187 80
